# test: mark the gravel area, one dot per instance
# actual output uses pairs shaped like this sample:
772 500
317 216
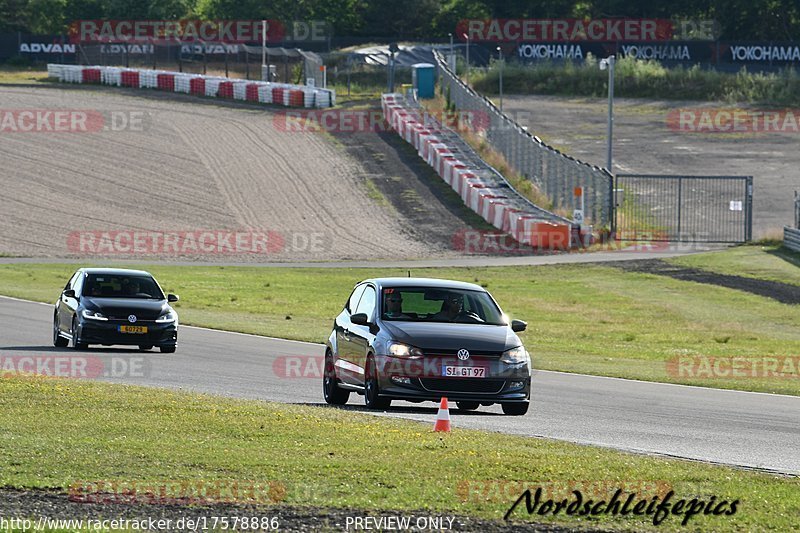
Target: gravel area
195 164
645 143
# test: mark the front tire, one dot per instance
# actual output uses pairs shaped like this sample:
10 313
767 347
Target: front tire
515 409
58 340
167 349
334 395
372 389
75 344
467 406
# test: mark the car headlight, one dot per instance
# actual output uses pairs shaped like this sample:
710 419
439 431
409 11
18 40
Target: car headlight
93 315
167 317
516 356
399 349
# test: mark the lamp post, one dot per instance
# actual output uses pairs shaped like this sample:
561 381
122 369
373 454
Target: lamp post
264 52
502 62
608 63
466 36
451 57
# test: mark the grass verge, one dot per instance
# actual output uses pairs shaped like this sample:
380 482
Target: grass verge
772 262
10 75
643 79
589 319
88 432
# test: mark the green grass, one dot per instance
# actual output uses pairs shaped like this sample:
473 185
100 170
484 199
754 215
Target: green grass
12 75
582 318
642 79
762 262
89 432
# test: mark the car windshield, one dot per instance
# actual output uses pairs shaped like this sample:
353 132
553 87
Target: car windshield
122 286
431 304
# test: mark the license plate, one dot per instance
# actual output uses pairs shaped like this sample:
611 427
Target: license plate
133 329
464 371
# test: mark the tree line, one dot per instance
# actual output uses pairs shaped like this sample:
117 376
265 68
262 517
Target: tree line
426 20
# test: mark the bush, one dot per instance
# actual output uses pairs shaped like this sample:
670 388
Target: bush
19 62
643 79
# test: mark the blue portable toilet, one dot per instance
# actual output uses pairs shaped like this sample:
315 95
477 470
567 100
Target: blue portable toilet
423 77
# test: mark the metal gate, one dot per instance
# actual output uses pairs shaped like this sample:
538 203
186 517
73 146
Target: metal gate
683 208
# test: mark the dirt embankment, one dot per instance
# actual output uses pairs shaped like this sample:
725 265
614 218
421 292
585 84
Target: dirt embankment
192 164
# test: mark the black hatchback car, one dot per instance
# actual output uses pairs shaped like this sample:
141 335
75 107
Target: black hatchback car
418 339
115 306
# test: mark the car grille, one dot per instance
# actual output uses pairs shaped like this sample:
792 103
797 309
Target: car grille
478 386
454 353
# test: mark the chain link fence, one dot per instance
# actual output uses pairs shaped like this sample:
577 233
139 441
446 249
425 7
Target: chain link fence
555 174
285 65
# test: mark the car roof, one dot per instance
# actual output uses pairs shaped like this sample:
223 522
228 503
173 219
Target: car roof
116 271
424 282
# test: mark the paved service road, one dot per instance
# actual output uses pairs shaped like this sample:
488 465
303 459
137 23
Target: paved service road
737 428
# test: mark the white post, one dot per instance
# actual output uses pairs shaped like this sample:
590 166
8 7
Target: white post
609 63
467 36
263 45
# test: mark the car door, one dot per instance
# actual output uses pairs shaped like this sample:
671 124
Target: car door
361 336
65 307
345 368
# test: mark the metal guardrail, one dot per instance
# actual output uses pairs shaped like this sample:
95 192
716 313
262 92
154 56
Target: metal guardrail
557 175
791 238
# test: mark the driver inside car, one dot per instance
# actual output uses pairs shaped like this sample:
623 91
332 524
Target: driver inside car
451 307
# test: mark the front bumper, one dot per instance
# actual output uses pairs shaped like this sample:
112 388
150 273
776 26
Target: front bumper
400 379
98 332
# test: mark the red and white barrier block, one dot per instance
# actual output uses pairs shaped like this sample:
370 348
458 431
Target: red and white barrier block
214 86
480 186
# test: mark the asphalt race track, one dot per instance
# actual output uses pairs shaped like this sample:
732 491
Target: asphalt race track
752 430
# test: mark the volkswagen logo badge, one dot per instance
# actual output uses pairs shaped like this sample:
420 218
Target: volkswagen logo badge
463 354
132 319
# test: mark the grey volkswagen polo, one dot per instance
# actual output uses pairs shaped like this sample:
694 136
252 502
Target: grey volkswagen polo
419 339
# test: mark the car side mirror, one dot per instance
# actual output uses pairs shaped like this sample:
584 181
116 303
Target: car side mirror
172 298
360 319
518 325
70 293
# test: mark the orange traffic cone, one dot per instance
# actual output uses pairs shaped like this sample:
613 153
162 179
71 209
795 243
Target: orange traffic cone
442 417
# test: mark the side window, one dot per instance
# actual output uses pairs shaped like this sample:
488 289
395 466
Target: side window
71 281
77 285
367 303
352 302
